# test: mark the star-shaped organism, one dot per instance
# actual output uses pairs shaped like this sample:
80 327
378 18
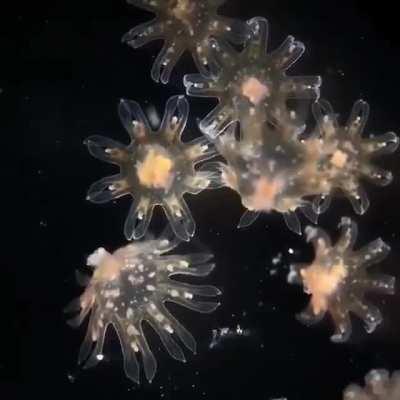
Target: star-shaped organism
338 279
254 78
183 25
156 168
131 286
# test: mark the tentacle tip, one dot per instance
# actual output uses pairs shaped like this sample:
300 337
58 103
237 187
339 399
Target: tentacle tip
72 306
81 362
302 318
155 74
384 246
257 20
129 236
125 38
345 221
212 266
370 327
164 80
135 236
341 336
185 237
151 378
72 323
338 338
213 42
290 38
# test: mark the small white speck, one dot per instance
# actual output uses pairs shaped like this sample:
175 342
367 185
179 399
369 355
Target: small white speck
170 267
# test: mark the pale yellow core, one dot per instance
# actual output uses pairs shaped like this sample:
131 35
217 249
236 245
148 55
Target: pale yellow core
182 9
339 159
156 170
321 282
264 195
254 90
108 268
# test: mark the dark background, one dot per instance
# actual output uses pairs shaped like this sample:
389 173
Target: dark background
63 70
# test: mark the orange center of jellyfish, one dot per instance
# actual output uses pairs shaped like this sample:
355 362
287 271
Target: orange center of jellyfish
321 282
254 90
339 159
155 171
108 267
264 195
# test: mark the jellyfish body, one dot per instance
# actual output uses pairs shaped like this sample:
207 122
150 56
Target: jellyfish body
130 286
345 157
156 168
183 25
337 280
264 174
253 79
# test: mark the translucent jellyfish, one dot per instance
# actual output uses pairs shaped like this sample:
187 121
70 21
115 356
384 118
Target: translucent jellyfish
337 279
132 285
379 385
156 168
252 77
265 174
344 157
183 25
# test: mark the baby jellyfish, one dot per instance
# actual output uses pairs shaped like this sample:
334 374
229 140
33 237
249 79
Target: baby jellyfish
337 279
156 168
183 25
253 78
131 285
345 157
